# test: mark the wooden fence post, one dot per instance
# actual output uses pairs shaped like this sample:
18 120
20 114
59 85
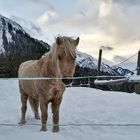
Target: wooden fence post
138 64
99 63
137 85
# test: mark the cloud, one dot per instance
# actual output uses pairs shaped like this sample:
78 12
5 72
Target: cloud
46 17
105 8
100 23
113 24
130 64
83 14
120 21
106 48
35 27
118 58
44 3
28 26
127 2
106 19
126 58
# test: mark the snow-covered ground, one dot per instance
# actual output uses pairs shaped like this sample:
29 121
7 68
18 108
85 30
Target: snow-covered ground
79 106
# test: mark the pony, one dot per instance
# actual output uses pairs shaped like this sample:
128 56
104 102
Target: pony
57 64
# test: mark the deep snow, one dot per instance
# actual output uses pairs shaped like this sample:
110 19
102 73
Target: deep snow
79 106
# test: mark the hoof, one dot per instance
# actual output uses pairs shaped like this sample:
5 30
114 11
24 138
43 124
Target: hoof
43 128
22 122
56 129
37 117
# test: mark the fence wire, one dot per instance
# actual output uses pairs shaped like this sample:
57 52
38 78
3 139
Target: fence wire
77 124
57 78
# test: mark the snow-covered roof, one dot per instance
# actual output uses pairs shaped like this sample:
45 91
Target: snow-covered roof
135 78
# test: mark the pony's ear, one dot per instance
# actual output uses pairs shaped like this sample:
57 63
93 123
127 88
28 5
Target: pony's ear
58 40
77 41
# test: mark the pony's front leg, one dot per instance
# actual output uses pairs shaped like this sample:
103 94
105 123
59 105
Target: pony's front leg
55 110
44 115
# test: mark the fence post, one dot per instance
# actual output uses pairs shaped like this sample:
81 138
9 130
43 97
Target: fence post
137 85
99 62
138 64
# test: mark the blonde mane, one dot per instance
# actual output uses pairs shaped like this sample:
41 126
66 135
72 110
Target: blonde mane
68 43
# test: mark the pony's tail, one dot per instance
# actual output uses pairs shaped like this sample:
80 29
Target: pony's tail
34 106
31 102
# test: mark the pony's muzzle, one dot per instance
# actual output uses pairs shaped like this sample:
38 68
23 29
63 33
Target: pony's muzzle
66 80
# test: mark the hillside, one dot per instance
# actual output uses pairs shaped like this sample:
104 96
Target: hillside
122 71
88 62
17 46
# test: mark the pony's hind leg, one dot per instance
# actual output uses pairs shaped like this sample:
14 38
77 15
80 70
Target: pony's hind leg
24 98
34 105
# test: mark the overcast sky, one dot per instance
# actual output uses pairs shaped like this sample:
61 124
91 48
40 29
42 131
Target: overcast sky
113 25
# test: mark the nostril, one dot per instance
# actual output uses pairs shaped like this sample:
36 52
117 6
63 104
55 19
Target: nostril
66 81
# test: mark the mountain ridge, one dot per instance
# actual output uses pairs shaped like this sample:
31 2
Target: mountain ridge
17 45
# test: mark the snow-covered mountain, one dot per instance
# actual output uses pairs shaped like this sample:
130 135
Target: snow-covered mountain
19 46
122 71
87 61
11 33
7 28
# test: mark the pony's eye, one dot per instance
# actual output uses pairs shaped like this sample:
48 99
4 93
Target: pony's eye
74 58
60 57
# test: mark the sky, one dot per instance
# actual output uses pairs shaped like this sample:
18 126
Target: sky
110 25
